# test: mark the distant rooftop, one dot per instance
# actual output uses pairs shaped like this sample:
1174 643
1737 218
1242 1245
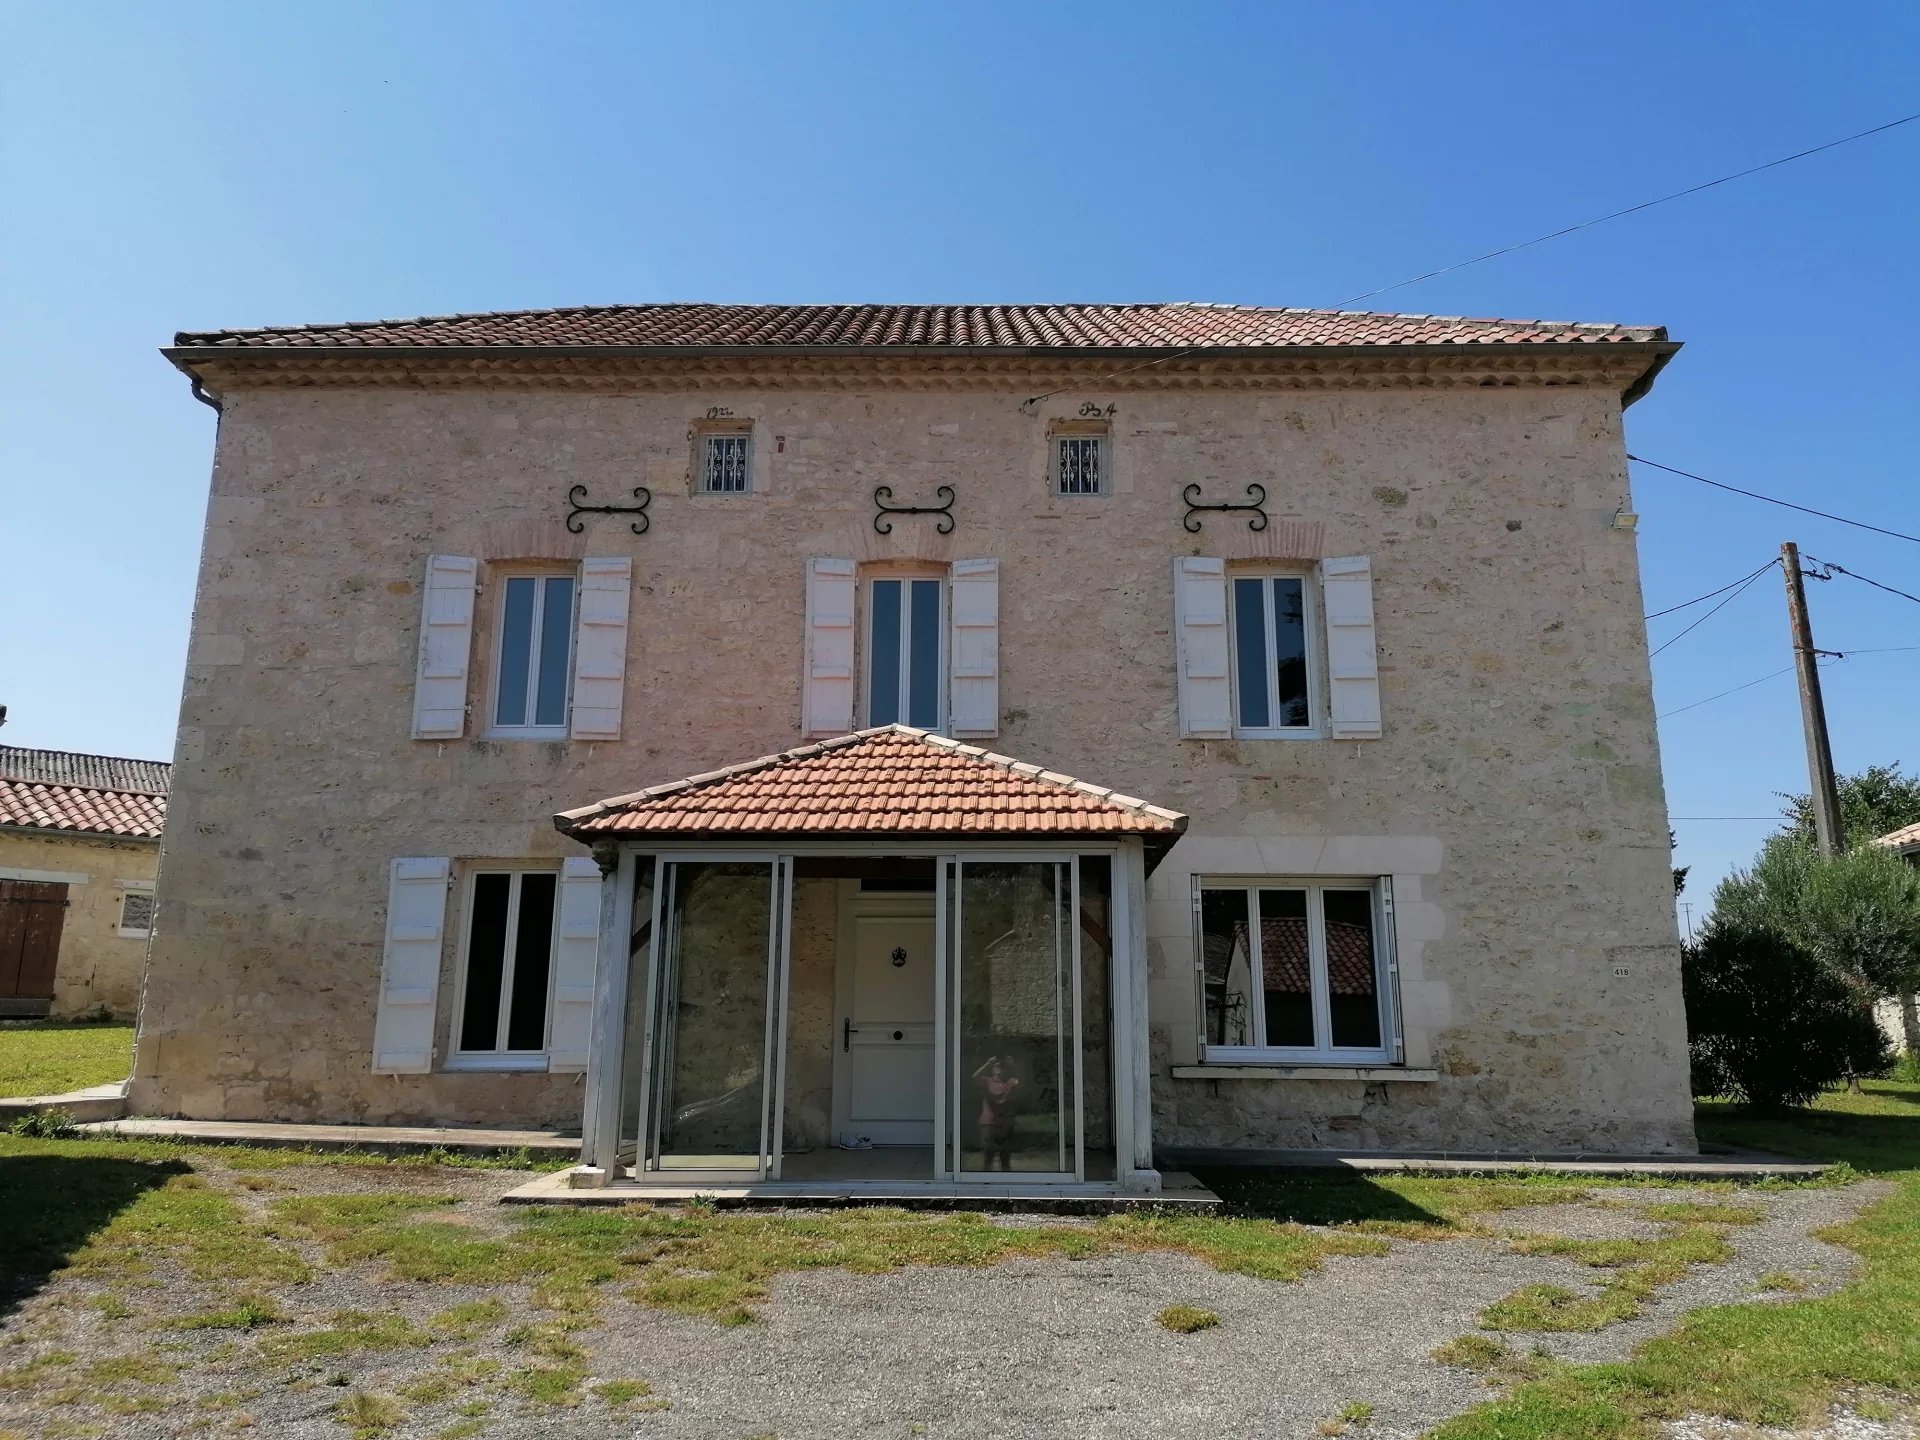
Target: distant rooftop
101 795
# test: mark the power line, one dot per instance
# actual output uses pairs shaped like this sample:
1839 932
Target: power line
1711 593
1756 495
1741 587
1842 570
1630 210
1721 696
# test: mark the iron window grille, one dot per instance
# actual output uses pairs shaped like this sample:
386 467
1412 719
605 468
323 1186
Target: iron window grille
1080 464
726 465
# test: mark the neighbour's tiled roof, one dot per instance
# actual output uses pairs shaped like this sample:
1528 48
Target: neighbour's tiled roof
894 781
98 772
101 795
985 327
1904 839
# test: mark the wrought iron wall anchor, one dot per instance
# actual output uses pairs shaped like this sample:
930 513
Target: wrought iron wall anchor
579 493
1256 498
884 493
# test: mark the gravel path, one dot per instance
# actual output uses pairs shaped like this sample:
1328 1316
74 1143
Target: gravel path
1027 1349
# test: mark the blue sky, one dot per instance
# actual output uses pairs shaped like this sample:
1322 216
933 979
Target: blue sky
200 166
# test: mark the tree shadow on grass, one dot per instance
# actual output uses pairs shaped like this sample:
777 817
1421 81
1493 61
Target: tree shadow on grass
1888 1139
51 1205
1312 1197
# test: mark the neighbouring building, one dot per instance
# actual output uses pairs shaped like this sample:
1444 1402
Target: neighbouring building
960 743
79 843
1900 1018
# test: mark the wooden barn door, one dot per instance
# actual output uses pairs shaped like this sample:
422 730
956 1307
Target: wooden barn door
31 915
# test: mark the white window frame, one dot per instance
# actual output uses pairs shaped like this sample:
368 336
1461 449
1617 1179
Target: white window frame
1316 726
743 434
497 1059
1104 450
1390 1051
132 932
494 730
943 673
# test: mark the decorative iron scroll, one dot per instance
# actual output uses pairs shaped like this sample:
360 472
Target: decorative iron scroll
578 494
1256 499
882 494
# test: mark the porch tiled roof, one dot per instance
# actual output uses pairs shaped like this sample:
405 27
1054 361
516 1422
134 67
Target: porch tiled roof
121 814
1903 840
893 781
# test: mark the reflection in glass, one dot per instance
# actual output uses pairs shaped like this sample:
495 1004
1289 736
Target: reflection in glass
1016 1049
1227 961
1352 986
1250 653
1286 968
883 653
711 1050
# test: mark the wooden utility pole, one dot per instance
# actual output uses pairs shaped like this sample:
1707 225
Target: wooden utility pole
1827 828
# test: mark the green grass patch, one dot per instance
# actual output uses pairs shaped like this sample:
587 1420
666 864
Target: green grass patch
350 1332
622 1392
1408 1207
1186 1319
247 1312
202 1229
52 1057
1769 1363
547 1384
1687 1213
366 1414
471 1320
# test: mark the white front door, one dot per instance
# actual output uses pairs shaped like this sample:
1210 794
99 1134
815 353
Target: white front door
883 1044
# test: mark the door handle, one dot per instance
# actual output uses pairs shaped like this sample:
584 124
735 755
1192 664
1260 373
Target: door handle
846 1034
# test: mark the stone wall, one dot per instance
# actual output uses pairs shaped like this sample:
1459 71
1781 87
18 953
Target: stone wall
1515 797
98 966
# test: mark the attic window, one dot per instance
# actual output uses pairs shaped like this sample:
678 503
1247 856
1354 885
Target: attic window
1080 458
726 462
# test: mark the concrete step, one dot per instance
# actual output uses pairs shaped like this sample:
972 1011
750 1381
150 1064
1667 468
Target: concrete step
96 1103
382 1139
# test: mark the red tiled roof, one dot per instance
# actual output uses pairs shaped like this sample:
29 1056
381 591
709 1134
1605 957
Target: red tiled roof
82 809
894 781
1047 327
1903 840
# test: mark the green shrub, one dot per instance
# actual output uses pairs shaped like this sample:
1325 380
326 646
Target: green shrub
45 1124
1768 1022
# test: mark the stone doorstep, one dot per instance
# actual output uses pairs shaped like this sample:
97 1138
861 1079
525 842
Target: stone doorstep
95 1103
380 1139
1179 1192
1734 1166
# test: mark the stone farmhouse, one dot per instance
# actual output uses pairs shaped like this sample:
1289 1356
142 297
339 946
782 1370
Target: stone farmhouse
79 844
923 744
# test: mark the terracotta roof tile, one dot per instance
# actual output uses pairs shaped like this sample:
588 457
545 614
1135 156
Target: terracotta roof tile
891 781
85 810
1067 327
1903 840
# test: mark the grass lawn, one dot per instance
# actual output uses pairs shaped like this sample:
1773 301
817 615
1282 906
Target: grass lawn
1775 1363
51 1057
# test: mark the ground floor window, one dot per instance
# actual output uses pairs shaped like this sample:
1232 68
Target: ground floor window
506 965
136 913
1295 971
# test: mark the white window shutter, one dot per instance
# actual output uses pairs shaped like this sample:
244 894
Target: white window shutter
973 617
410 968
576 951
826 702
1200 626
446 642
600 647
1353 670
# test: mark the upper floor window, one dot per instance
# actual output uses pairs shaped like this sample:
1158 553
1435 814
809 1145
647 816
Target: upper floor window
506 967
726 462
533 656
906 656
1295 971
1273 656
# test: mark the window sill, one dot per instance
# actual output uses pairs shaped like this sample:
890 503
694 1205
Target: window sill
1372 1073
126 934
505 735
526 1064
1279 734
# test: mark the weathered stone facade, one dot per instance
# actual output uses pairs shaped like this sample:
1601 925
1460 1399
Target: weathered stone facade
99 967
1515 796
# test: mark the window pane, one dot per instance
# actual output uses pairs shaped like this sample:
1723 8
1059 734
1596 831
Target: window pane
1250 653
1290 650
923 698
726 468
516 652
136 910
1352 976
556 632
1287 975
883 653
1226 958
532 954
486 953
1080 465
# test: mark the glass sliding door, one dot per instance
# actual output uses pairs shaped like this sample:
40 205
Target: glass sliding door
718 992
1010 1022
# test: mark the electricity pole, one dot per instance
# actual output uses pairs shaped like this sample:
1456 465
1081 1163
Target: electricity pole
1813 712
